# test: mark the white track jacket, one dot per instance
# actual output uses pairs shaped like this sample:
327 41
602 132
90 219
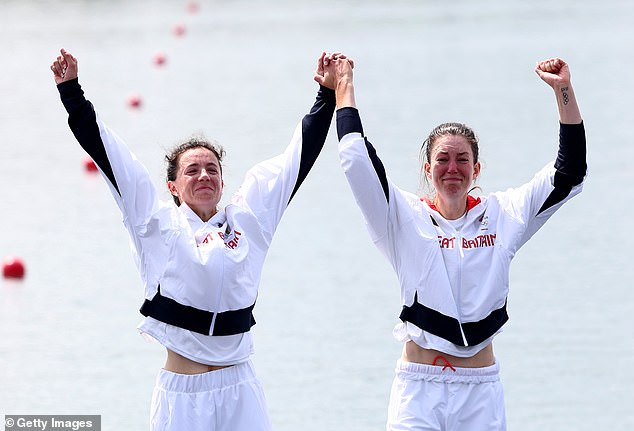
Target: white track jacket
454 282
200 278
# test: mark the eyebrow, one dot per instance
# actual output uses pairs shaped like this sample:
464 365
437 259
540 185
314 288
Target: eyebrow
447 152
196 164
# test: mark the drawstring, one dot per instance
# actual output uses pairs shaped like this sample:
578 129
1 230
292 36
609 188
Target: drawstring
448 364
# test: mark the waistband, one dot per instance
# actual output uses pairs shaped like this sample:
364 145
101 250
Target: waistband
433 373
206 382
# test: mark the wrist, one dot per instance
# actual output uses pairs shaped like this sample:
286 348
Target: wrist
343 84
344 95
562 86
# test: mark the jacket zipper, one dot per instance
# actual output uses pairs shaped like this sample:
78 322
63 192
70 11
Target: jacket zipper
460 257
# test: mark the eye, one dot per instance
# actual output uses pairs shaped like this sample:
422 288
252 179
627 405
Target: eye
191 171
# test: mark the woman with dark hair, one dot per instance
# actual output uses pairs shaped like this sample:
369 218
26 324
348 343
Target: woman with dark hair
452 252
200 264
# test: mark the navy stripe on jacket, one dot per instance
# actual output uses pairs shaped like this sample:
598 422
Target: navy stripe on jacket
82 120
348 121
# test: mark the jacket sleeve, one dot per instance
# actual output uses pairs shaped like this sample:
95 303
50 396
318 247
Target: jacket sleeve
535 202
365 173
128 180
388 211
570 166
269 186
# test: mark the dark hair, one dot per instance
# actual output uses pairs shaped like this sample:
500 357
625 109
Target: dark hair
446 129
173 156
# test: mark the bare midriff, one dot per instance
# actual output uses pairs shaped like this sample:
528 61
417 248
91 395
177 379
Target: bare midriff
412 352
181 365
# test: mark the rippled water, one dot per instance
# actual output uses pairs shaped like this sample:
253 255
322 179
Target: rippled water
242 74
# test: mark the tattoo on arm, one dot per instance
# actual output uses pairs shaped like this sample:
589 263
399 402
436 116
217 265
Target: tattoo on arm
564 95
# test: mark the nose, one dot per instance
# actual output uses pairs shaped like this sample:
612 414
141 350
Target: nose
452 166
204 174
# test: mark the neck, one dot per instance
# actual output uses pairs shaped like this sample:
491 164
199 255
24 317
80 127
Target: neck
451 209
204 213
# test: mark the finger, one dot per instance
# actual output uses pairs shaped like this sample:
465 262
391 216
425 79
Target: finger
544 66
351 61
320 63
326 58
56 68
554 65
67 57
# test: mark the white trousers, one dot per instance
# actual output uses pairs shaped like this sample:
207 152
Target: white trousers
229 399
437 398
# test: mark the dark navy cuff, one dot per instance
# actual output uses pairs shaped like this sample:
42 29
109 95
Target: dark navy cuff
571 159
348 121
325 93
71 94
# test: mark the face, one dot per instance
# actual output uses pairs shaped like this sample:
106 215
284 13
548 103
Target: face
452 170
198 181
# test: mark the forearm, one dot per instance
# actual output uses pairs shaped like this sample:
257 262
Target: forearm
571 157
72 96
344 93
82 120
567 104
315 126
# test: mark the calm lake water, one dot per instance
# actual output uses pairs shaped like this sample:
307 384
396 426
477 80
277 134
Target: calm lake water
242 74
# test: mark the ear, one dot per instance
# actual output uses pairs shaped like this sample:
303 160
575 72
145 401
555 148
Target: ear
476 170
172 188
427 170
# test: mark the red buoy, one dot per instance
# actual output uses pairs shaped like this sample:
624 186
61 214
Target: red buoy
193 6
134 101
179 29
159 59
89 165
12 267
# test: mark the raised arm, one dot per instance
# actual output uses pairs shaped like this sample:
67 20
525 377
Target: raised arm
571 167
270 185
556 73
127 178
81 115
363 168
